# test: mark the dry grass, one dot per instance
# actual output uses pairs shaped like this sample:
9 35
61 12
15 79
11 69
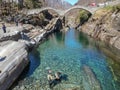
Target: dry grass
106 10
101 12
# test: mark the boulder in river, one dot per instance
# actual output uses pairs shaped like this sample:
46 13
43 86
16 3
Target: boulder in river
90 82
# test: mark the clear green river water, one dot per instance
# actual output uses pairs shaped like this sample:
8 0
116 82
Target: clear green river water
84 64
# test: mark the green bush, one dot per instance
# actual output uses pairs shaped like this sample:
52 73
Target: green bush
83 16
36 4
108 7
32 4
113 8
116 8
0 1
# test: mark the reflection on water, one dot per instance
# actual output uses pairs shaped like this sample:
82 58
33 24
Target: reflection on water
85 63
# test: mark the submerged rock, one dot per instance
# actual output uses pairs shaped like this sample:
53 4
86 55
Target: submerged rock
90 82
70 87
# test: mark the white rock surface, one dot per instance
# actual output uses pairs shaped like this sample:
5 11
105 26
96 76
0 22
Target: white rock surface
15 59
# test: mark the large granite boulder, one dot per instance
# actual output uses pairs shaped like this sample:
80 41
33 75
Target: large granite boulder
14 60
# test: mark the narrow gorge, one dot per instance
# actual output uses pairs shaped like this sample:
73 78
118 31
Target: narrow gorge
81 41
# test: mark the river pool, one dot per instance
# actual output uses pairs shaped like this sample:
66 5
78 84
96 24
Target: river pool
80 59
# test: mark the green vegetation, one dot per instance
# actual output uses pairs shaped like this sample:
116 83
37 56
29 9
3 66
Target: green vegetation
108 8
115 67
8 8
116 8
113 8
32 4
83 16
36 4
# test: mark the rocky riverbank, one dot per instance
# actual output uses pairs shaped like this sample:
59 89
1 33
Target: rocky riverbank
104 25
14 49
14 58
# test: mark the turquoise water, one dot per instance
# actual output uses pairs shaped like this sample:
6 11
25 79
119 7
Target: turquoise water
83 64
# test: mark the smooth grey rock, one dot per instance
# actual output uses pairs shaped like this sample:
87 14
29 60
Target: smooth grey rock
16 60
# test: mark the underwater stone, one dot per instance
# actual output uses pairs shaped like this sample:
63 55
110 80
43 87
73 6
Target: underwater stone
91 79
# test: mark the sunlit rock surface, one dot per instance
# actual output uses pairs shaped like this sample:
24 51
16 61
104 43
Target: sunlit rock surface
14 60
104 25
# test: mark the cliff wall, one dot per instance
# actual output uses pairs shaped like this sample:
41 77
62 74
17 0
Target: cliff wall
105 25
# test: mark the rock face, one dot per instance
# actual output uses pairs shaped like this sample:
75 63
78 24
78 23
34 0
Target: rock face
15 59
11 36
105 26
54 25
41 19
113 59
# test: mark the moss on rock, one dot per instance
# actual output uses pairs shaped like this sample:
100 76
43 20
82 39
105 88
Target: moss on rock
83 17
32 4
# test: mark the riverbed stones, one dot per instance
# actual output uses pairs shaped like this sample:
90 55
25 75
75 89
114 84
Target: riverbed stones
69 87
46 87
41 85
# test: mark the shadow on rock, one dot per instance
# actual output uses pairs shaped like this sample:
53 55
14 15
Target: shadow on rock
2 58
35 60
